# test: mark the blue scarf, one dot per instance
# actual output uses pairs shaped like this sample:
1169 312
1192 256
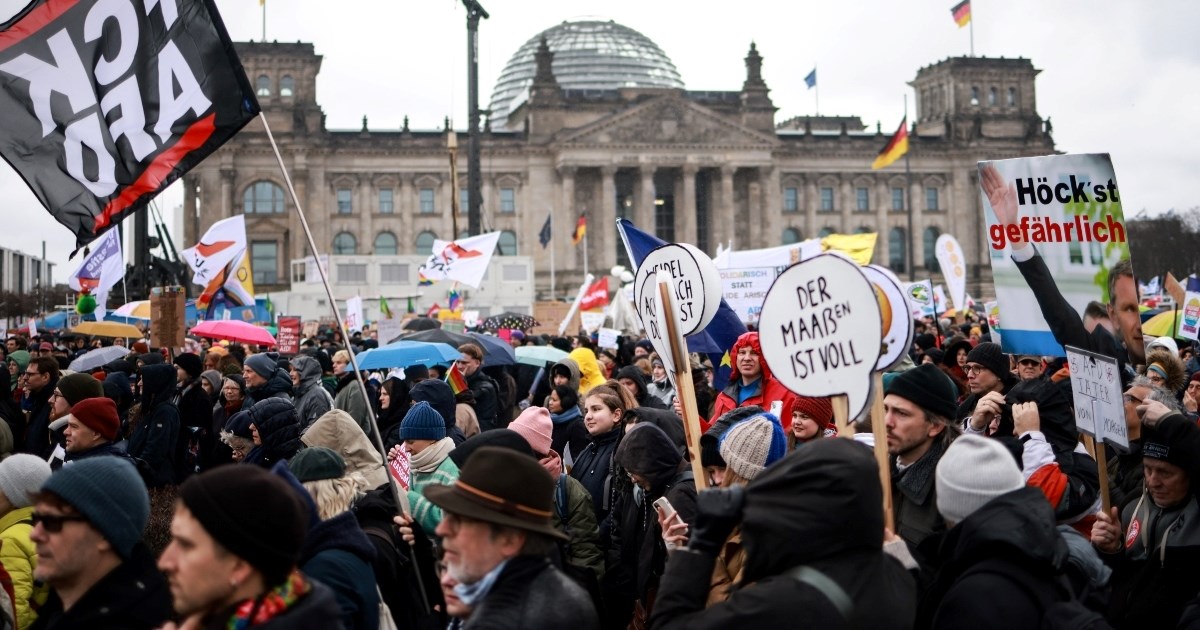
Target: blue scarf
566 416
472 594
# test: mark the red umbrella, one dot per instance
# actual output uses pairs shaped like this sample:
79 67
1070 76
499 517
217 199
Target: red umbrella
234 330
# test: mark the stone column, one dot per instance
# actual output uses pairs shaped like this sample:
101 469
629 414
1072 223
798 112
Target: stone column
685 211
489 204
191 222
365 211
811 202
564 221
845 200
723 225
772 202
754 214
883 205
405 201
600 239
300 182
228 194
643 210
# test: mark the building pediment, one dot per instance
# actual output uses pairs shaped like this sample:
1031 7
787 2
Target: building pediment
668 120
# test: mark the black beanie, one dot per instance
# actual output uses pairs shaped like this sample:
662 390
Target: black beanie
990 356
253 514
190 363
927 387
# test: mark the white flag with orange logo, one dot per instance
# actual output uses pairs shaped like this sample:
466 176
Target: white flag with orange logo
221 245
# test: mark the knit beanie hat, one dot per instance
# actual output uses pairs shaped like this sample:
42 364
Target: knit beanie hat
819 409
108 492
927 387
190 363
78 386
753 444
535 426
422 423
710 442
254 514
99 415
316 463
22 475
990 356
262 364
973 471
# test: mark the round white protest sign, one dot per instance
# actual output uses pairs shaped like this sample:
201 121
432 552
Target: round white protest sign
820 330
897 322
694 280
647 309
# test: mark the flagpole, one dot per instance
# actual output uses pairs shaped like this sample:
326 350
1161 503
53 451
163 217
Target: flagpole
908 198
263 4
971 26
553 289
585 252
400 497
817 92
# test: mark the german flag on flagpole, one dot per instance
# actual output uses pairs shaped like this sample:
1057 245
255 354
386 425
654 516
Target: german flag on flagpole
895 149
580 230
962 13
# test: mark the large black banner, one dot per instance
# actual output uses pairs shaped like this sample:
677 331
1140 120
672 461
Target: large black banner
106 102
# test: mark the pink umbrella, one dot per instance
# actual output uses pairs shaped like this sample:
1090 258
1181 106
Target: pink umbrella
233 330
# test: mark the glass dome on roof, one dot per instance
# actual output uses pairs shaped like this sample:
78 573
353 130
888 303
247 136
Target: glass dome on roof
588 55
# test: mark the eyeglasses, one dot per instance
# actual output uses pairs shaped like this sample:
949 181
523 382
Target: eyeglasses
973 369
1029 362
455 522
28 373
55 394
53 523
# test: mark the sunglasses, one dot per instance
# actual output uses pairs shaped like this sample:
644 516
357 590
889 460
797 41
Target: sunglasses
1029 362
53 523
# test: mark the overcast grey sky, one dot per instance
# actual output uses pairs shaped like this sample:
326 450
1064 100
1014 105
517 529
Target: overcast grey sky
1117 76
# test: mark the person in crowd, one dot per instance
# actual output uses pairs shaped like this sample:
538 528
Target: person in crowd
590 373
570 435
566 372
10 410
659 385
812 531
989 379
1153 544
17 362
156 426
1030 367
481 385
424 435
236 435
595 467
1191 395
336 552
21 476
92 430
918 410
195 444
210 380
41 379
632 379
710 442
438 394
213 356
753 383
393 403
88 519
69 391
231 394
465 419
1165 370
264 379
496 534
237 534
956 350
275 430
349 395
812 419
337 431
312 401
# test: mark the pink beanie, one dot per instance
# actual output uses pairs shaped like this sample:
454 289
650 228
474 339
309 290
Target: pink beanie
535 426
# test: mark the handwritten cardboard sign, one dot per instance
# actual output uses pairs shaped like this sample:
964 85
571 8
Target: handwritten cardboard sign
647 310
167 325
1098 397
821 330
897 325
694 280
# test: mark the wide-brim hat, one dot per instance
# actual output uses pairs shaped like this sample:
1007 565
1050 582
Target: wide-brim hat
501 486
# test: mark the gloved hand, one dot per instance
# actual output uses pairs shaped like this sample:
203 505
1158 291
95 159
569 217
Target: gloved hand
718 511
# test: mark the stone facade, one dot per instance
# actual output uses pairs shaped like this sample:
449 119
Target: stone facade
697 167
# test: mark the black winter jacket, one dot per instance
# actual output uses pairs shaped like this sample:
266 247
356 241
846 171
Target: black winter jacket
596 470
131 597
278 430
338 555
532 593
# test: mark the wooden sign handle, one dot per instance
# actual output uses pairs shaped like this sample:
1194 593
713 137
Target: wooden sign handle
879 429
841 415
1101 470
684 387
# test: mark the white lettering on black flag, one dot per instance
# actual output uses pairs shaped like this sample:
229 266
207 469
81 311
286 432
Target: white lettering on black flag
106 102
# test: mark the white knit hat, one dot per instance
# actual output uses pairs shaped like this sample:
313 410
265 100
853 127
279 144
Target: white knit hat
973 471
20 476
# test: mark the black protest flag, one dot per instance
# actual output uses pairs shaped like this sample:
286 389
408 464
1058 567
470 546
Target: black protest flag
106 103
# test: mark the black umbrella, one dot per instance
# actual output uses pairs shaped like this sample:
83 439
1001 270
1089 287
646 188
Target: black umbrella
422 323
495 350
514 321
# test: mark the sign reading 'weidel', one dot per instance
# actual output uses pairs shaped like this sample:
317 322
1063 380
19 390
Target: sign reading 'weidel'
106 102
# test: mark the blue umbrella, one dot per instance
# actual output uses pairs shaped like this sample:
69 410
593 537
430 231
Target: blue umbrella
496 351
405 353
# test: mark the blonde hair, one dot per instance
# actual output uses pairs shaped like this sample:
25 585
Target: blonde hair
341 355
334 496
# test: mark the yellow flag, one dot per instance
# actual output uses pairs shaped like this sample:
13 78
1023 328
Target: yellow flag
859 247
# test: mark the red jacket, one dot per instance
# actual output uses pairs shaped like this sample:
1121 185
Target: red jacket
769 389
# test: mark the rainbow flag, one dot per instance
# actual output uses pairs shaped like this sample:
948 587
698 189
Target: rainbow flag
895 149
456 380
962 13
455 300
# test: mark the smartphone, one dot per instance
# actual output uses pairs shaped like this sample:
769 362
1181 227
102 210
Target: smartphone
665 506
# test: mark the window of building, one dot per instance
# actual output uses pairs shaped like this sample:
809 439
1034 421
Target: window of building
264 259
507 245
352 273
1097 252
514 273
263 198
425 243
825 231
425 196
992 97
391 273
464 201
930 242
897 250
287 85
898 199
386 201
263 86
791 199
508 200
345 243
385 244
974 95
826 199
345 203
1012 97
931 198
862 198
791 235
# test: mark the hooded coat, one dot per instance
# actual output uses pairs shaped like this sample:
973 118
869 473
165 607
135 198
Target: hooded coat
338 554
787 522
337 431
769 390
670 424
643 397
349 398
37 436
278 386
590 373
573 383
156 435
278 430
312 401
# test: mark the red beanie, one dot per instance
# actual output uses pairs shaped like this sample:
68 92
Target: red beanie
99 415
819 409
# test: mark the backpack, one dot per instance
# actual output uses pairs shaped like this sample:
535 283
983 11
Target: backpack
582 576
1061 609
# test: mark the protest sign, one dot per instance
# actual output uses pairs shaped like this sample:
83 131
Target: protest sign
920 298
676 346
1056 235
693 277
311 329
608 338
1096 378
647 309
389 330
954 268
897 326
820 330
745 288
288 335
591 320
167 317
354 314
1191 310
400 468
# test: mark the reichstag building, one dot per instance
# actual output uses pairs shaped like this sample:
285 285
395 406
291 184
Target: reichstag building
592 117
